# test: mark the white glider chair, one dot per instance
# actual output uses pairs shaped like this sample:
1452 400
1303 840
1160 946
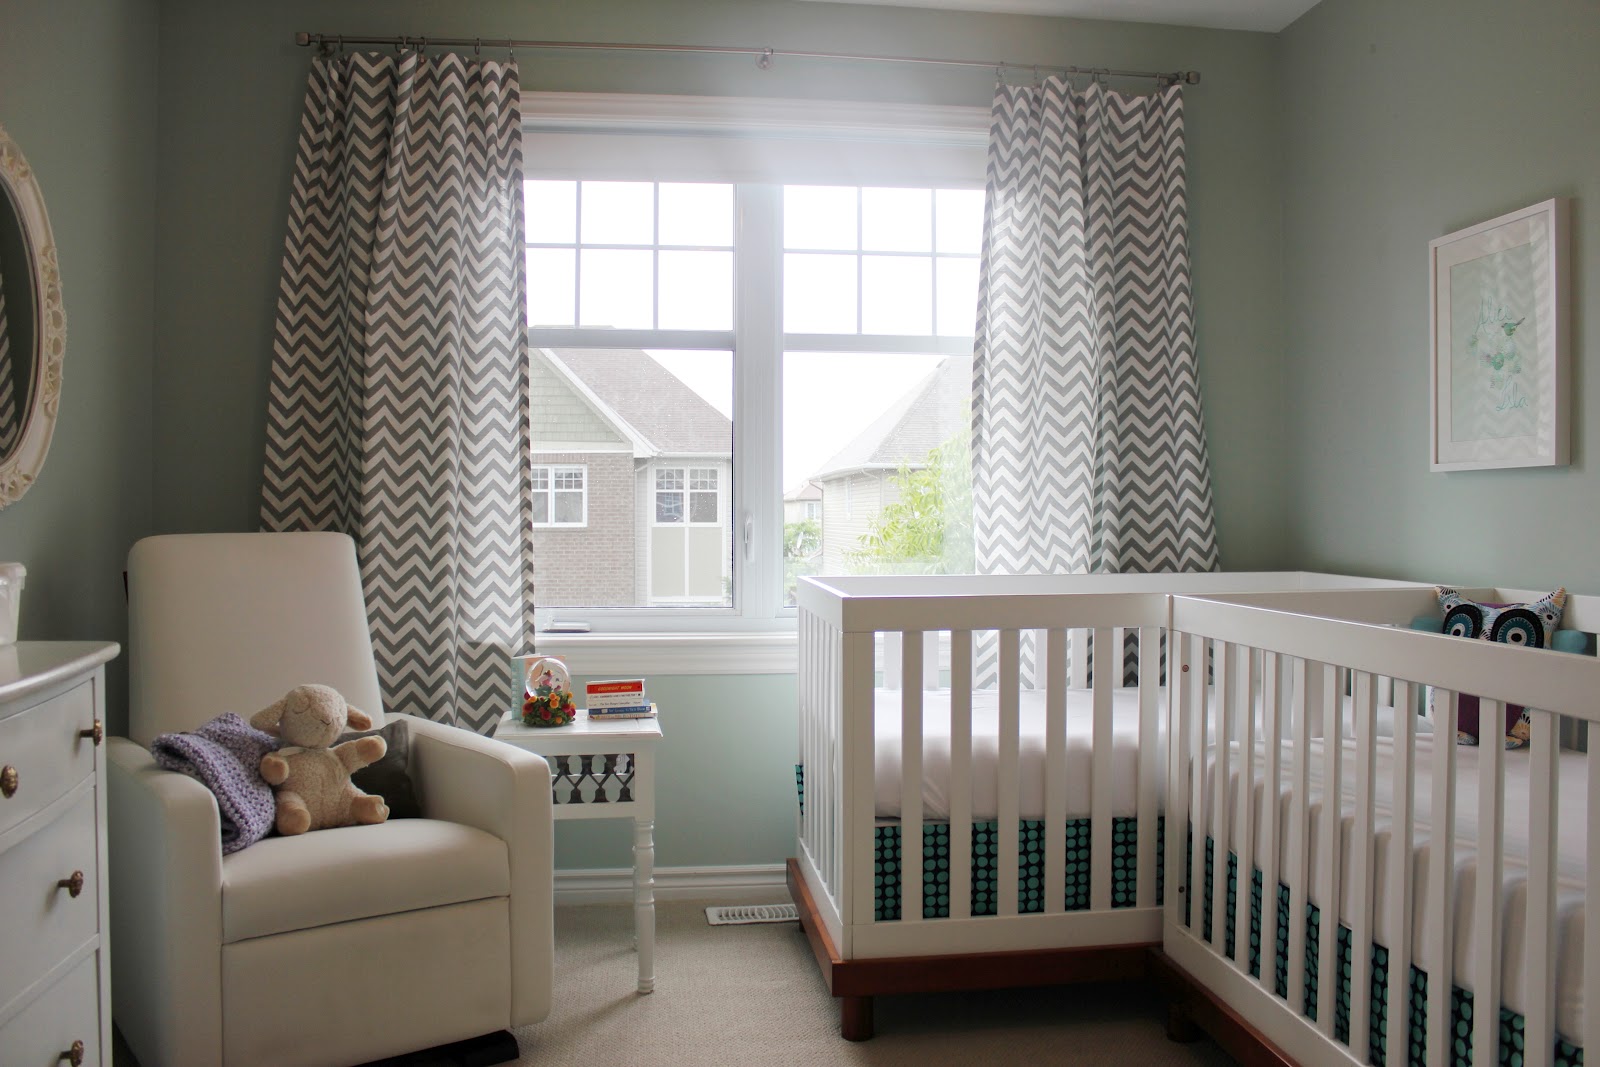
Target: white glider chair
336 947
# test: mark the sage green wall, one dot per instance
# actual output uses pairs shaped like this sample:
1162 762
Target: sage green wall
78 95
1404 122
231 89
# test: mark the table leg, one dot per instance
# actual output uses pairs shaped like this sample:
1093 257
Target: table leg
644 901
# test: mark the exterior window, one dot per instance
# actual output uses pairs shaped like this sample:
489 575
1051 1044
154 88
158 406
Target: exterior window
560 496
853 334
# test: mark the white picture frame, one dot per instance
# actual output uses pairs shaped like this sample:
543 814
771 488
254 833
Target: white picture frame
1498 360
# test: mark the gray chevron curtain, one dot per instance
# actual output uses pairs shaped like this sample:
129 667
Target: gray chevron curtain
398 403
1088 445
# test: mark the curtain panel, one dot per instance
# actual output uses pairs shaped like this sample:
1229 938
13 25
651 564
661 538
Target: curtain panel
1089 449
398 400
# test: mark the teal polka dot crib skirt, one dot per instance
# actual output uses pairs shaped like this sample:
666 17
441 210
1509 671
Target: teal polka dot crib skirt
889 857
1461 1005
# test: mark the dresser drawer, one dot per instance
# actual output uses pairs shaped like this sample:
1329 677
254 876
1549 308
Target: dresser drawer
61 1015
44 923
42 748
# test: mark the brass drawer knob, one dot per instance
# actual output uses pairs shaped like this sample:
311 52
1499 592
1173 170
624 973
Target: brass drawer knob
73 1055
73 885
8 781
97 733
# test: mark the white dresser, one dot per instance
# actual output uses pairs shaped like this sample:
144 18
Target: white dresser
55 972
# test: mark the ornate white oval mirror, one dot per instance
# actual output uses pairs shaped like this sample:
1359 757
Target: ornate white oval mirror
33 325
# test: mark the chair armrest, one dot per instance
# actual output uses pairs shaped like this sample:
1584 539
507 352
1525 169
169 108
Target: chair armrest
477 781
165 852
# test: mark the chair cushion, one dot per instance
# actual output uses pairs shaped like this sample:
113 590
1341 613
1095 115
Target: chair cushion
357 872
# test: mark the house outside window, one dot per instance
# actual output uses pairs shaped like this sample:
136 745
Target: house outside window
657 266
560 495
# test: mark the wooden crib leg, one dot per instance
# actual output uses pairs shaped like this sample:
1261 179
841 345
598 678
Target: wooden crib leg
855 1018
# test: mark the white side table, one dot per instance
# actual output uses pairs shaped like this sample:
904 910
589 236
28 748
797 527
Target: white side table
606 769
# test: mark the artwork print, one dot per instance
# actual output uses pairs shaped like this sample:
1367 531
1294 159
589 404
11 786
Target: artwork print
1493 346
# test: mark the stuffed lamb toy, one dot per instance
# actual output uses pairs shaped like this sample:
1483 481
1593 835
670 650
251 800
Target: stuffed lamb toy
310 780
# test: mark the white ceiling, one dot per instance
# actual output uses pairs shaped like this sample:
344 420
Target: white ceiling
1266 15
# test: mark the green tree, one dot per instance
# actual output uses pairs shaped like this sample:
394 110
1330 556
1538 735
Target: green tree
802 552
928 529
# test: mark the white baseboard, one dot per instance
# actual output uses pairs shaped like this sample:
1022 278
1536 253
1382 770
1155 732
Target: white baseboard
762 884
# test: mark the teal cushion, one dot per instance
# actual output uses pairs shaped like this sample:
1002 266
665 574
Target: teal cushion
1433 624
1572 641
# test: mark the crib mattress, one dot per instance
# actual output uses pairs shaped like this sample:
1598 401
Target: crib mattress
1122 763
1571 870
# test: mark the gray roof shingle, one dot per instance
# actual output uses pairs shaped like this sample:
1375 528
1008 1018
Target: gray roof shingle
659 407
926 416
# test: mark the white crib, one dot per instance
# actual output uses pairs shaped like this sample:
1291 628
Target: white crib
1007 694
1464 862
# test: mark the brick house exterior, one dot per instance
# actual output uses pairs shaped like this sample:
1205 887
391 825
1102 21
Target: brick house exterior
613 433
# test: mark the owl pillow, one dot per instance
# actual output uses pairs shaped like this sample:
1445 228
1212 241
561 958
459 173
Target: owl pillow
1531 625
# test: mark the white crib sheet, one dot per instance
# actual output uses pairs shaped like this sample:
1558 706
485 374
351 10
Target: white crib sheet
1572 828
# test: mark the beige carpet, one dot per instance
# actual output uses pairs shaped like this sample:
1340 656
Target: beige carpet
743 995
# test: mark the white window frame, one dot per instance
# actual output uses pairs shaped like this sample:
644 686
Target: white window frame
551 470
574 136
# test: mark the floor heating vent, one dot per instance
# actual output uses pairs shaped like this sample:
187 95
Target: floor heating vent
752 913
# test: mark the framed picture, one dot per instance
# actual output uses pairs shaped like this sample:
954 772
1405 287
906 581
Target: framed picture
1499 364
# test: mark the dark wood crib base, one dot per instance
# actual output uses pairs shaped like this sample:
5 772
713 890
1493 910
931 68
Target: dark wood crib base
856 982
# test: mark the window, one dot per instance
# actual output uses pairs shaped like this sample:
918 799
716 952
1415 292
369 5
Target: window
560 496
769 378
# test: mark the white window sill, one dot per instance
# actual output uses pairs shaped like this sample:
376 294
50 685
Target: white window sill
626 654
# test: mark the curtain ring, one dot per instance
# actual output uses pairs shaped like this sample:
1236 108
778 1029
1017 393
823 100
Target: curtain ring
765 61
399 46
477 47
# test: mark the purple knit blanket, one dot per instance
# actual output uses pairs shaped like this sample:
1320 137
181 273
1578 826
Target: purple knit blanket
225 756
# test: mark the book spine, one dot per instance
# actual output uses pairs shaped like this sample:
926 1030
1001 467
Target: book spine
615 685
621 700
633 711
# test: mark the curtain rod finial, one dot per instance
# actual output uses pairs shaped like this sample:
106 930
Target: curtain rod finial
302 38
1191 77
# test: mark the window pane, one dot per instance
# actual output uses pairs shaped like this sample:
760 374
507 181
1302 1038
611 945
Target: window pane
897 220
550 212
702 507
897 294
618 213
958 296
819 293
541 508
696 291
618 541
959 220
569 507
698 214
819 216
552 282
900 411
616 289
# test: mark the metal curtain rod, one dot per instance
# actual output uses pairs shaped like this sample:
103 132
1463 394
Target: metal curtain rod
764 56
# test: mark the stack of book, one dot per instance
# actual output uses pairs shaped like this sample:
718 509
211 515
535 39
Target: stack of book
618 698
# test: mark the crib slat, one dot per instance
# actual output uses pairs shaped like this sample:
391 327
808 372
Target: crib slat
1272 790
1591 904
1298 835
1100 782
1363 693
1400 883
1055 783
1180 773
960 774
1244 713
1222 669
855 785
911 648
1440 910
1195 710
1486 895
1332 708
1006 846
1149 766
1539 1017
